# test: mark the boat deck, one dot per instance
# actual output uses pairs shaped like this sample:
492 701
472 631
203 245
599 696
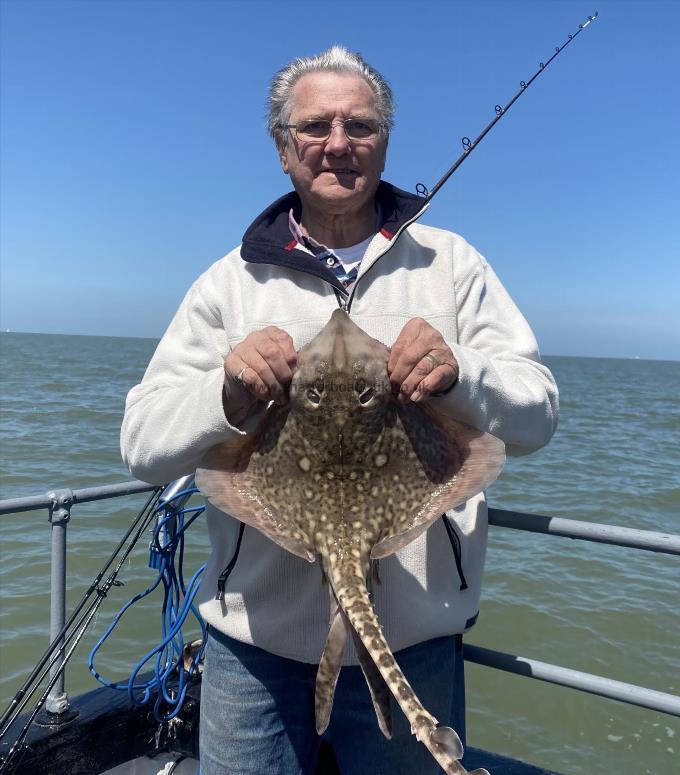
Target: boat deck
111 735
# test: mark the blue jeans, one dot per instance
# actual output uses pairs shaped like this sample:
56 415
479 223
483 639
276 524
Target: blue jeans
257 712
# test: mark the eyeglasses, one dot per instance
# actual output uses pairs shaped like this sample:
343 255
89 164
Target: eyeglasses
320 128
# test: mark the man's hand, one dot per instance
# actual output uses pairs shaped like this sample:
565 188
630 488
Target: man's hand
420 362
262 365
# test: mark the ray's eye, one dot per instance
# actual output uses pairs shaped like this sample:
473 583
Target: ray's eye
315 390
366 396
364 392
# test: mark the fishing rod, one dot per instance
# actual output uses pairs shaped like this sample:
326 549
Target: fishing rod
16 751
71 629
22 696
470 145
161 506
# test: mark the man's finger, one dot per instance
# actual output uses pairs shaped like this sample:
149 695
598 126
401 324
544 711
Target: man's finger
277 363
285 343
439 380
264 364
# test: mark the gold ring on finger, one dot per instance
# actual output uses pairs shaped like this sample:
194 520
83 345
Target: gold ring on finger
431 358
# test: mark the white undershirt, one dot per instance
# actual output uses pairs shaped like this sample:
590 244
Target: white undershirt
353 255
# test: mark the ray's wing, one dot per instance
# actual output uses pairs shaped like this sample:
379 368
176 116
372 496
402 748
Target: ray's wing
257 479
428 463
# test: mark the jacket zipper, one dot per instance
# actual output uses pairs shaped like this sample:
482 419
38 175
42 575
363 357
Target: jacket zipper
222 580
348 301
344 303
457 550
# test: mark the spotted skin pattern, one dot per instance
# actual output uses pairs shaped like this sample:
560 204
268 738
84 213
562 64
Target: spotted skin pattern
346 474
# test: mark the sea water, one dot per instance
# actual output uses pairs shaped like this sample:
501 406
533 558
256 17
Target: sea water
612 611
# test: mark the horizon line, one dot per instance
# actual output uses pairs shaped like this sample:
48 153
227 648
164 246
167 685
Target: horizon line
158 338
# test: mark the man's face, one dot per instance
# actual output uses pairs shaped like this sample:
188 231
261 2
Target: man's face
337 176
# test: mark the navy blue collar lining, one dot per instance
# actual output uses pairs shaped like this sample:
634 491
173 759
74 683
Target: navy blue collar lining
268 239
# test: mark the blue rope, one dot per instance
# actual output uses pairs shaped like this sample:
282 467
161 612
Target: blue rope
170 679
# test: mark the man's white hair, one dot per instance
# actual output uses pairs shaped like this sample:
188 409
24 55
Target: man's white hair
336 59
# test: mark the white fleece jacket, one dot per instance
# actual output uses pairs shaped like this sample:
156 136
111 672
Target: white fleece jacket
273 599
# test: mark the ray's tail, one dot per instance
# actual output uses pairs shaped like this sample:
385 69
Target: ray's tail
442 742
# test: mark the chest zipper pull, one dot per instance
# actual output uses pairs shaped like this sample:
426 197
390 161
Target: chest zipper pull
342 301
222 580
457 551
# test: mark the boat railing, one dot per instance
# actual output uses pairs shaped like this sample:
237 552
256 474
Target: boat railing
59 503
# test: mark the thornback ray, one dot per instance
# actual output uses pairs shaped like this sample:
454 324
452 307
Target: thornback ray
345 473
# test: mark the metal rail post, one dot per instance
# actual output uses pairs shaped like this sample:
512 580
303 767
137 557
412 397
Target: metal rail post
60 514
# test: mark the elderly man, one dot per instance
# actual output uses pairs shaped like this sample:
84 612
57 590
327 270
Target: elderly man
342 238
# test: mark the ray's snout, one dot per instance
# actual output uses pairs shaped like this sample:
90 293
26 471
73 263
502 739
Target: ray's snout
340 357
342 343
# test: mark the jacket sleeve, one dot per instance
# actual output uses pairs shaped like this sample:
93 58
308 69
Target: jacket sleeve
175 414
502 387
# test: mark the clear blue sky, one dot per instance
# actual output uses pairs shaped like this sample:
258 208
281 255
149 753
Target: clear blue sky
134 152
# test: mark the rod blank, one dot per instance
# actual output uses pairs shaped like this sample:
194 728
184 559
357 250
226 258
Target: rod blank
470 145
